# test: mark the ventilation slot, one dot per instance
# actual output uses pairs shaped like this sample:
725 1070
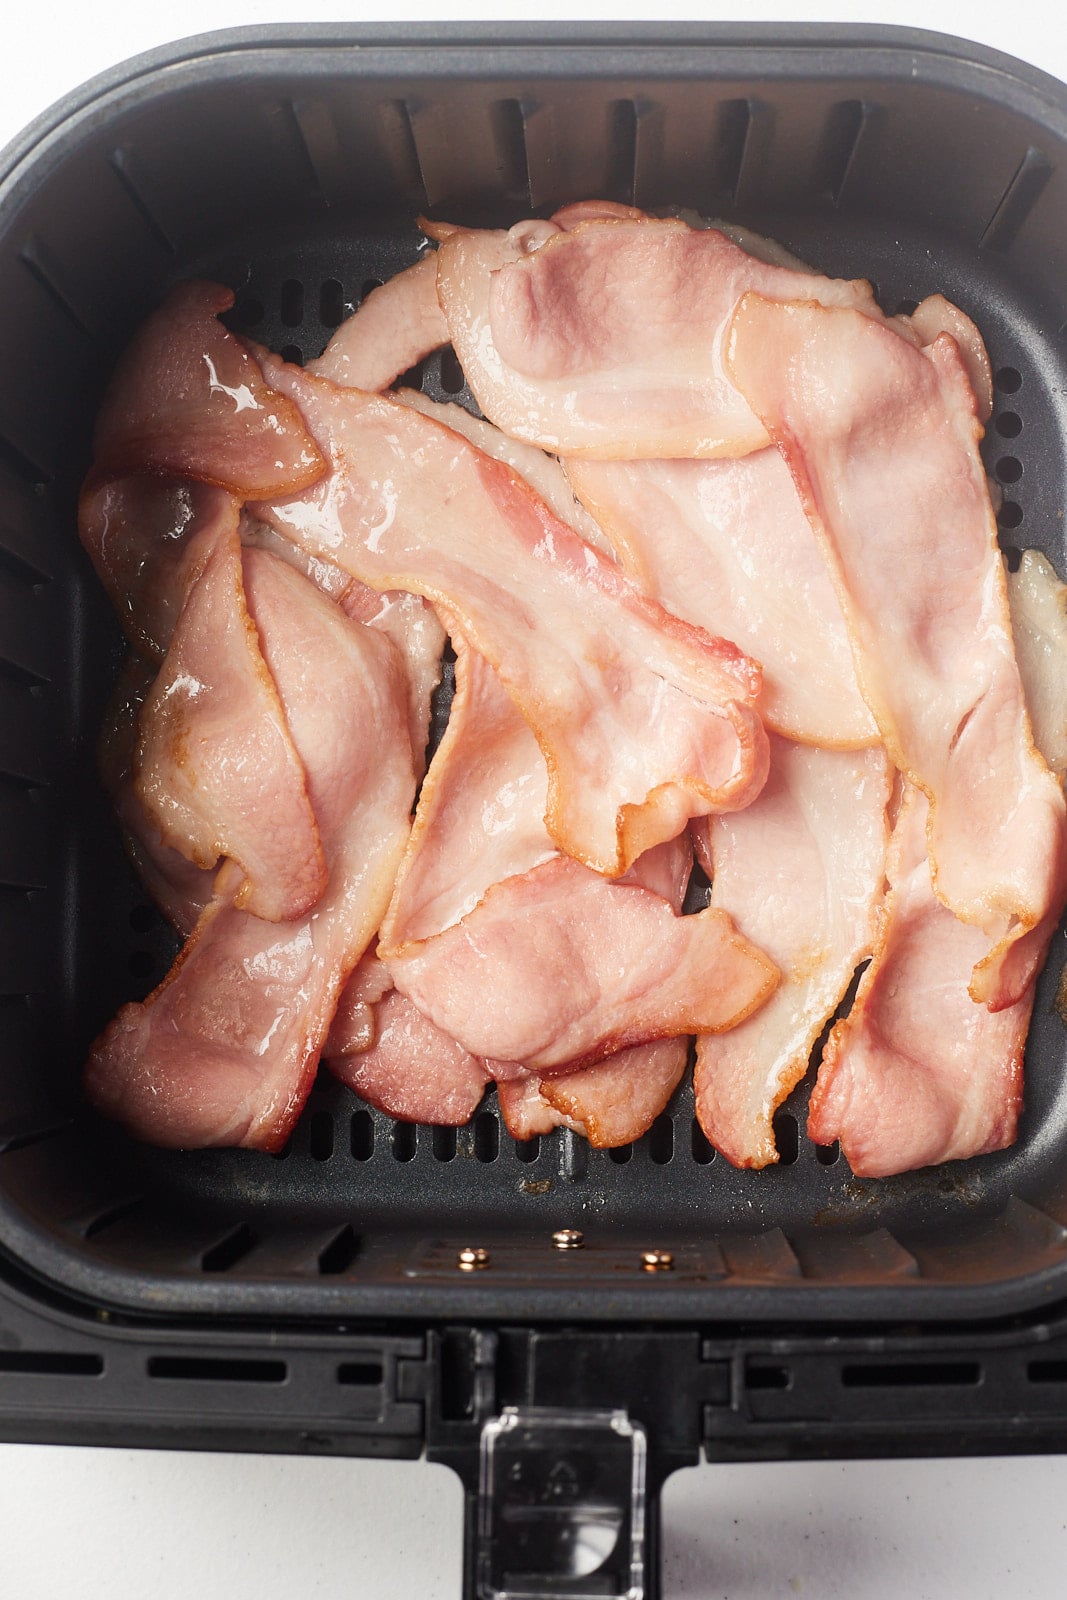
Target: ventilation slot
527 1150
661 1141
1009 425
404 1137
293 354
844 129
1047 1371
398 134
760 1376
360 1374
21 1139
443 1144
1017 201
702 1150
292 150
621 1154
509 135
51 1364
292 302
486 1137
340 1253
31 260
622 151
914 1374
216 1369
113 1214
229 1251
362 1135
119 162
735 121
828 1155
787 1138
332 308
452 379
320 1136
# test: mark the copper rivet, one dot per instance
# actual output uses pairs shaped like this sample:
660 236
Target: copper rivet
657 1260
472 1258
568 1239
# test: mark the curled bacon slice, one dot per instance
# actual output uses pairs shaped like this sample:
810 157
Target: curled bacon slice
643 720
882 442
188 399
917 1073
603 338
225 1050
394 327
214 745
612 1103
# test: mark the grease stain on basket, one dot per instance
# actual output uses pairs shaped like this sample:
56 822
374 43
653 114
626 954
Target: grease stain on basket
535 1185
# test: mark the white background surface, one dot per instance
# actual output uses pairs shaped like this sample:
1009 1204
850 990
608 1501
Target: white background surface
94 1523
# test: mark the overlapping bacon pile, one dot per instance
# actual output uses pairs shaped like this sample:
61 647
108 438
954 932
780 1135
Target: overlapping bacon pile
754 608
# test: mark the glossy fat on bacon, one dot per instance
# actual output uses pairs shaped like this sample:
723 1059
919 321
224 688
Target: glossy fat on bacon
180 889
726 545
188 399
644 720
918 1073
216 769
225 1050
147 537
1038 601
802 873
524 955
413 1071
612 1103
604 339
394 328
882 441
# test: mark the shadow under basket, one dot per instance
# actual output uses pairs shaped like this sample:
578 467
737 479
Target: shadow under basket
291 164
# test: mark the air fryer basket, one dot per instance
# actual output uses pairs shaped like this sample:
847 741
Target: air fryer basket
291 164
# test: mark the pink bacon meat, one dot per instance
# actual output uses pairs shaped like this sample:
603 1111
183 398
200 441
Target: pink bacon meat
225 1050
882 441
593 665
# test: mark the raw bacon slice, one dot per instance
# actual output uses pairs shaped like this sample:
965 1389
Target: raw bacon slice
180 889
604 340
726 545
413 1071
882 442
396 326
802 873
257 535
216 770
644 720
1038 603
148 537
917 1073
524 955
225 1050
353 1027
188 399
611 1104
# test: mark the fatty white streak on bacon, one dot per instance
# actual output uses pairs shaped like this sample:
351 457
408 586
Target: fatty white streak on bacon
726 545
214 741
593 665
882 441
394 327
802 873
604 339
1038 602
524 955
612 1103
225 1050
917 1073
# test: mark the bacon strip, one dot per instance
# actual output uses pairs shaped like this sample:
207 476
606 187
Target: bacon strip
214 744
412 1070
393 328
612 1103
726 545
594 667
523 955
188 399
917 1073
1038 602
604 340
802 873
225 1050
882 442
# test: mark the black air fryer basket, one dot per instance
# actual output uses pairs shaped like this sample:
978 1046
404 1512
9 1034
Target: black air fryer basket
320 1300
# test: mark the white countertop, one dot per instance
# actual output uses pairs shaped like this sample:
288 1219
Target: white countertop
91 1524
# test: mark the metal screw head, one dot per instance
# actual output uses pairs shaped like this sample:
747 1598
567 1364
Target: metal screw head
657 1260
568 1239
472 1258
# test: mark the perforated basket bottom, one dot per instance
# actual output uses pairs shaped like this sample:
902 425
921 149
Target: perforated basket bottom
356 1198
